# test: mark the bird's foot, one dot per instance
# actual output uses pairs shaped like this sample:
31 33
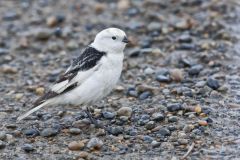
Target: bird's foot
92 119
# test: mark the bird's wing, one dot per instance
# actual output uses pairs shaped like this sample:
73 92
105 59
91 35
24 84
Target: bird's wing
81 68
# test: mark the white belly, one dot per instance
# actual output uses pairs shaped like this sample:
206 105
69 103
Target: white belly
99 84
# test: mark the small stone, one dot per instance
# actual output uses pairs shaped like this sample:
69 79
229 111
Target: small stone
203 123
27 148
72 45
195 70
185 38
51 21
125 111
119 88
75 131
150 125
108 115
115 130
49 132
174 107
145 95
155 144
99 8
163 132
8 69
148 139
198 109
132 92
18 96
182 141
81 124
3 136
200 84
213 83
148 71
42 33
176 75
158 117
83 154
74 146
40 91
163 78
123 4
173 119
95 144
31 132
188 128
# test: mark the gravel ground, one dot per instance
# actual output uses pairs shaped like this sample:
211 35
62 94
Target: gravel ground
179 91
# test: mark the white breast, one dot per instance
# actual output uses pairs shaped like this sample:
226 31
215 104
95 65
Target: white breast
99 84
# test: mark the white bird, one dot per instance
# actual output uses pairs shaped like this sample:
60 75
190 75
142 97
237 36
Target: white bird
91 76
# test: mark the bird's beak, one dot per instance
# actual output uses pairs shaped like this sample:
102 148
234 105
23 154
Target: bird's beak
125 40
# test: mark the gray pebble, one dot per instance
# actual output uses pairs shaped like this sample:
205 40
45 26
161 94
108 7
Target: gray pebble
108 115
125 111
158 117
148 139
48 132
174 107
42 33
150 125
3 51
3 136
173 119
183 141
213 83
95 143
195 70
145 95
74 131
163 132
27 147
84 123
163 78
115 130
31 132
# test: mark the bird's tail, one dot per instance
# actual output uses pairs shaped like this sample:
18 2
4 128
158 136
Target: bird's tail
32 110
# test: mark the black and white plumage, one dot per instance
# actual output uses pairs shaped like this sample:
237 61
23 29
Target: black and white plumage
91 76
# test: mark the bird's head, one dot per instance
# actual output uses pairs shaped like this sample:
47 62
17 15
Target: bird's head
112 40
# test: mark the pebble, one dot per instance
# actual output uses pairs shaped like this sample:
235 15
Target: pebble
174 107
115 130
213 83
185 38
18 96
81 124
148 71
163 78
72 45
27 148
108 115
173 119
176 75
54 20
2 144
182 141
148 139
145 95
202 123
49 132
125 111
188 128
3 136
155 144
195 70
42 33
150 125
74 146
75 131
83 154
40 91
158 117
163 132
9 69
31 132
132 92
95 144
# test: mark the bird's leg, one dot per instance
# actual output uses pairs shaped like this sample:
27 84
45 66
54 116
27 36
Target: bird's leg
92 119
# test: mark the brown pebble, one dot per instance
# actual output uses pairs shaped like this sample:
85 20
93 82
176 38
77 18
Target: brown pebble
75 145
99 8
51 21
83 154
198 109
40 91
8 69
177 75
203 123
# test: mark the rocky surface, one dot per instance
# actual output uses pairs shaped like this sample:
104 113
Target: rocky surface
179 90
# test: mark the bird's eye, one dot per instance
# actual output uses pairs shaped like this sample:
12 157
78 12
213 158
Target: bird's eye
114 38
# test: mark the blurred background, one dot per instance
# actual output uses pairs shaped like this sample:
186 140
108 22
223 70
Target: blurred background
180 82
